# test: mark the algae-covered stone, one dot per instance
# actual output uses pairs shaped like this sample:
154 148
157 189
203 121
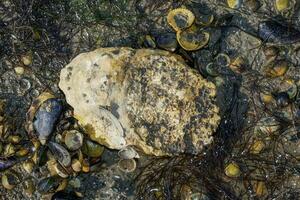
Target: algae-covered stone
145 98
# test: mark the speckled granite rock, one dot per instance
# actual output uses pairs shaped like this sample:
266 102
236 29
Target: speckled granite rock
146 98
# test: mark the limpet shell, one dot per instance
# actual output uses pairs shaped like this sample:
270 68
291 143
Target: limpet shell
192 39
180 18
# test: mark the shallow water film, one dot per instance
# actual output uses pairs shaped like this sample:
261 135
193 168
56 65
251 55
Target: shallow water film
211 112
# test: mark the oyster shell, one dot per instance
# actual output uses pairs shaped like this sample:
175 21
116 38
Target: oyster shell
146 98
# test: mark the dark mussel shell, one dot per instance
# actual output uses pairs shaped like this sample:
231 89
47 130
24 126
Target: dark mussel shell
273 32
282 99
60 154
46 117
8 163
167 41
49 184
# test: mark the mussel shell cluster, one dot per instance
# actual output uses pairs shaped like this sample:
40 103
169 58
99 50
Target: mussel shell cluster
61 149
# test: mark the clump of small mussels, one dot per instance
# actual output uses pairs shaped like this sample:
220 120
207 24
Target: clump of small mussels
58 144
189 32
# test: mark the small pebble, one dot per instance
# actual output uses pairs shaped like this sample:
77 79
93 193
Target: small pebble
281 5
19 70
26 60
232 170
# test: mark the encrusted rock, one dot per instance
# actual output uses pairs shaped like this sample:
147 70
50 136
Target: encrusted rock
149 99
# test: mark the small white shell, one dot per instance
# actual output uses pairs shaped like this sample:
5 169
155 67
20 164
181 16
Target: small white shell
128 153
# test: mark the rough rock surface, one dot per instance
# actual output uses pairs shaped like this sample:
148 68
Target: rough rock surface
146 98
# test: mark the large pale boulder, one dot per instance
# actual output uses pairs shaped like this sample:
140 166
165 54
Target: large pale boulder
149 99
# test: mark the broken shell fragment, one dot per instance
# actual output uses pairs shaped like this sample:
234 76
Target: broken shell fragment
238 65
192 39
266 97
260 188
127 165
15 139
73 139
234 3
28 166
27 59
22 152
85 166
76 165
180 19
9 180
257 147
9 150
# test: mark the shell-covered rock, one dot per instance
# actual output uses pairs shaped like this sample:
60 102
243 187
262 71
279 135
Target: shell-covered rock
145 98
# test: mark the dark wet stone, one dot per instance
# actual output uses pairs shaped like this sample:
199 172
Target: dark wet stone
63 195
